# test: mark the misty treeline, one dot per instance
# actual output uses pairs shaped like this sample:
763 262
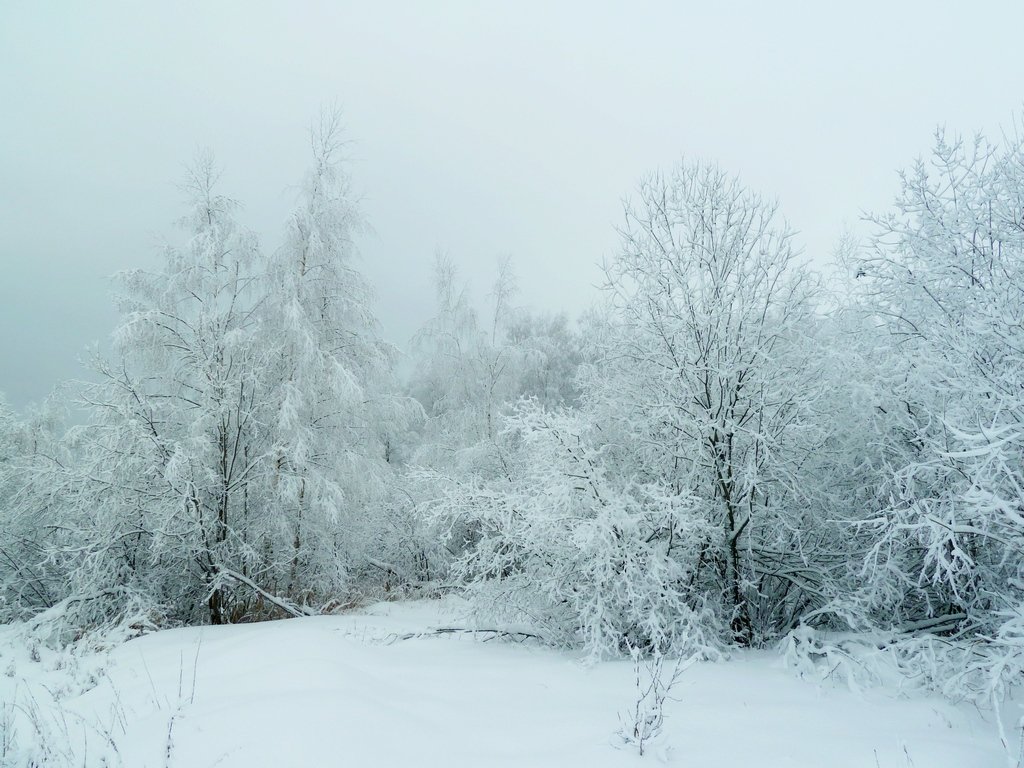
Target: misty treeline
727 450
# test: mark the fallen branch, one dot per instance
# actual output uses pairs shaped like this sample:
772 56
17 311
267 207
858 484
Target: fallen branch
285 605
934 624
389 568
491 634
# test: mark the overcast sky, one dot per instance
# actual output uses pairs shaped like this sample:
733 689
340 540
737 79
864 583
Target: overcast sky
478 128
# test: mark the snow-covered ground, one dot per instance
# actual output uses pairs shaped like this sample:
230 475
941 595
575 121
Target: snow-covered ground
354 690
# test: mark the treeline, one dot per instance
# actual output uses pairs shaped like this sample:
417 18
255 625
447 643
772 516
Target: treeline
725 451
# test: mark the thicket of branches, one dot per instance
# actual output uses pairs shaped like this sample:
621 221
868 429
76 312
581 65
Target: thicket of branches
722 452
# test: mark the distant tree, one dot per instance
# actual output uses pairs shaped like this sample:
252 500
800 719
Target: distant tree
470 373
470 370
467 369
556 353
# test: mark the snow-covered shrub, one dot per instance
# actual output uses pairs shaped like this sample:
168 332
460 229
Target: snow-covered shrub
641 725
974 669
589 559
32 574
944 283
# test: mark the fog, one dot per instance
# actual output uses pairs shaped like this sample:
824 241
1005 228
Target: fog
516 128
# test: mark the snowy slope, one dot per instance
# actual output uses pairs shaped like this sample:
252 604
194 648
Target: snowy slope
349 691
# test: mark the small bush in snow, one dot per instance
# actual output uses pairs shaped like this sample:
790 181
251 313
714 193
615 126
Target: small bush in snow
641 725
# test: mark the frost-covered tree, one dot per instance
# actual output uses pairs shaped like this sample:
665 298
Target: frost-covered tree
42 540
471 366
464 378
708 372
176 443
944 279
334 408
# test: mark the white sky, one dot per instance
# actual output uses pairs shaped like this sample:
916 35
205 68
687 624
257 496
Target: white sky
478 128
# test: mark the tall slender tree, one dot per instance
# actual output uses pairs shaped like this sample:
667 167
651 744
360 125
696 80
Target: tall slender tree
708 363
335 403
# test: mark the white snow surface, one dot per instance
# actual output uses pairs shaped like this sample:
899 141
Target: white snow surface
352 690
